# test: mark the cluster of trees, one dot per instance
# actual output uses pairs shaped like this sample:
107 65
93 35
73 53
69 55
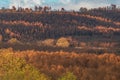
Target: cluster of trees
36 9
112 7
13 67
58 66
108 14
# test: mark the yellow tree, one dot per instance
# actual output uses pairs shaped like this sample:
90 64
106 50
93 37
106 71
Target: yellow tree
63 42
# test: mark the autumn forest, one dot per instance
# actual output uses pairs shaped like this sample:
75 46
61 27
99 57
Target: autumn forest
46 44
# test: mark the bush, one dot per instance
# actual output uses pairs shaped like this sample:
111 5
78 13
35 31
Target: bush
63 42
49 42
68 76
14 41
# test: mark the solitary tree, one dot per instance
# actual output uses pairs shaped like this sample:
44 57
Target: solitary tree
46 8
36 8
40 8
14 8
62 9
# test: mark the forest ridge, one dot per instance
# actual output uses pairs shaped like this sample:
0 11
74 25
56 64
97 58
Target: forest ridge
98 27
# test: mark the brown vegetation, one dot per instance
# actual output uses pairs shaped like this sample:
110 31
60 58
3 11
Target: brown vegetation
84 66
83 27
53 24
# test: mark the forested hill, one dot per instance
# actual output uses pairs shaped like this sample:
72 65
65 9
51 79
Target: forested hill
39 25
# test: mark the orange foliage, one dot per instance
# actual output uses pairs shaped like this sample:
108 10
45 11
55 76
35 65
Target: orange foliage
84 66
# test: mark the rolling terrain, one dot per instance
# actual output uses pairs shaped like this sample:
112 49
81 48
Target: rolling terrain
60 45
95 29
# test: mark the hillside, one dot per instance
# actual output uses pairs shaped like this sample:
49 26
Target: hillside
44 44
92 28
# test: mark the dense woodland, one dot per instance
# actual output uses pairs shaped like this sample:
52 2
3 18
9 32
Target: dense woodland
58 65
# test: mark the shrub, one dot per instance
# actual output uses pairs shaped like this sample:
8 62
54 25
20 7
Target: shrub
68 76
63 42
14 41
49 42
